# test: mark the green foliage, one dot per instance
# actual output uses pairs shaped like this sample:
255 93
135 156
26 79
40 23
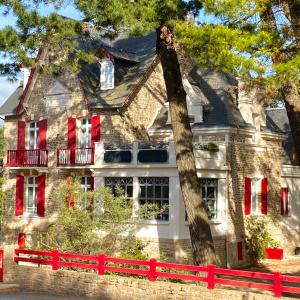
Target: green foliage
258 238
98 222
212 147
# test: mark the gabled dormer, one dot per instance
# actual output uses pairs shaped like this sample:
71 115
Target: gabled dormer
58 96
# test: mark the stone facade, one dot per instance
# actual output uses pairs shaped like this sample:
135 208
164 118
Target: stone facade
242 152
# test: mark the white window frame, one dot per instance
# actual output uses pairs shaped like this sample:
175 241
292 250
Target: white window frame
122 181
205 199
256 196
35 130
107 77
31 211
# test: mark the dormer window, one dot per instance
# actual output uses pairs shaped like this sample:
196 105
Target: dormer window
107 78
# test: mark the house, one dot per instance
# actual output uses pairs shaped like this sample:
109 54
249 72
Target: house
109 124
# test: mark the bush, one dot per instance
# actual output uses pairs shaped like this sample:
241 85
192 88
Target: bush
257 239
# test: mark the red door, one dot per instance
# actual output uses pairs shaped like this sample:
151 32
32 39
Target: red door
1 265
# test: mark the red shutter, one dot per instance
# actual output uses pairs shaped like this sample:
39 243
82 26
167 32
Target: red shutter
247 196
41 186
284 201
21 135
264 196
95 129
72 138
92 183
21 240
71 133
240 254
43 134
19 195
287 201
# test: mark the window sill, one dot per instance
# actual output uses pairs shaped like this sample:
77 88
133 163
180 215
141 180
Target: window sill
27 216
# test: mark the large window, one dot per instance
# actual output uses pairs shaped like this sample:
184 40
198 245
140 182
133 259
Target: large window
209 187
31 195
120 183
86 183
33 133
85 133
155 190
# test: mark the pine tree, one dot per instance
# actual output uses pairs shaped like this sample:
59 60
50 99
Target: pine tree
136 17
258 40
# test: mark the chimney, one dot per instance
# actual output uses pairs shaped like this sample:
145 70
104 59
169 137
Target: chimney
26 74
251 104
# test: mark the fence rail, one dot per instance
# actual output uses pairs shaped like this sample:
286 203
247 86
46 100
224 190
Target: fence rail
27 158
75 157
152 269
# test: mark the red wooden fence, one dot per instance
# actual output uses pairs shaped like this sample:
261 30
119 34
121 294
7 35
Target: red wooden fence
1 264
153 269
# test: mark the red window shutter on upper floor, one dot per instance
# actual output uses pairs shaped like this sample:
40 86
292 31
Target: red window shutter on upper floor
21 240
95 129
43 134
19 195
264 196
21 135
247 199
41 187
71 133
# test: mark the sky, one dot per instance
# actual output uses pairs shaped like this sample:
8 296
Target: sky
6 86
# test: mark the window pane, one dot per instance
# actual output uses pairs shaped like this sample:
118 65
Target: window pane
209 189
123 184
155 190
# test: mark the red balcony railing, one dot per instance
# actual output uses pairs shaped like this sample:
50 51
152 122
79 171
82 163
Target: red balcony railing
27 158
75 157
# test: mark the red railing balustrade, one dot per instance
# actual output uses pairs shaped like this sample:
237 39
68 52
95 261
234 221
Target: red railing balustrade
75 157
152 269
27 158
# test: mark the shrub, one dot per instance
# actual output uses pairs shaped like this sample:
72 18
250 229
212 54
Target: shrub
257 239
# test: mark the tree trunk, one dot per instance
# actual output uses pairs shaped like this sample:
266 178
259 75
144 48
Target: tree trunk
289 90
199 227
292 105
294 11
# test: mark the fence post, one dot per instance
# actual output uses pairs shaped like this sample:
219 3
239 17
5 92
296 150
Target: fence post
152 269
54 259
101 264
277 285
210 277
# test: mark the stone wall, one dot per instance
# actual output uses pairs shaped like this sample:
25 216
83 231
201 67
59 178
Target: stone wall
65 282
252 160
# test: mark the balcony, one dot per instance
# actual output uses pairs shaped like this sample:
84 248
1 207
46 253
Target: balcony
75 157
137 153
27 158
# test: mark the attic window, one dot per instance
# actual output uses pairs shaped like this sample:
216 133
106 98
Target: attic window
107 78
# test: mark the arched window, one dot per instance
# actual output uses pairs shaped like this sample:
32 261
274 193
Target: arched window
107 78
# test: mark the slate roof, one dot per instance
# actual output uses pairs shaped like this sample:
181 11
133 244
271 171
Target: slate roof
279 118
132 57
219 108
9 107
